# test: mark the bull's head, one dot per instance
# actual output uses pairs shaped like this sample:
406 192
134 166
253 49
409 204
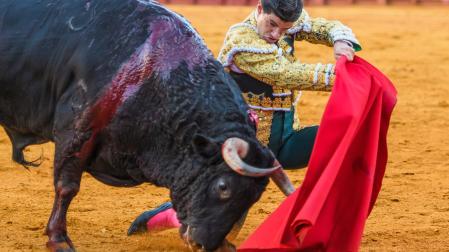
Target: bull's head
240 176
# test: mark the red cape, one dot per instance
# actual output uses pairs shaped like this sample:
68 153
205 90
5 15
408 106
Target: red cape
328 211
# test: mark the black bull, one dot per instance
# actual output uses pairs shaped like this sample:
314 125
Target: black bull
128 92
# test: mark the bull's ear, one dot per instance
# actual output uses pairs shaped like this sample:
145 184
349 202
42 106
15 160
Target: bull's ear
205 145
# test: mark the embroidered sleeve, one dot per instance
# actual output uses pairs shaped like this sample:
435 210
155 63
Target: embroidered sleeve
322 31
276 70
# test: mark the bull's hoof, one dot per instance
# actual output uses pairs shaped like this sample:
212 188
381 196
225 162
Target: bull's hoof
59 247
139 225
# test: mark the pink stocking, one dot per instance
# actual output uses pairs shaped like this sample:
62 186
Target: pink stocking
163 220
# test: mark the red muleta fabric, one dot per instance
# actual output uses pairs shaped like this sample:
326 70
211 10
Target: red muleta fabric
328 211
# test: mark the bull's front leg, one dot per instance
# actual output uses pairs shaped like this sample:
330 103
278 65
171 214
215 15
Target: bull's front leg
67 178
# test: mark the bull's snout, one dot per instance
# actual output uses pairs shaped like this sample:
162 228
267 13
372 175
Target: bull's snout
189 238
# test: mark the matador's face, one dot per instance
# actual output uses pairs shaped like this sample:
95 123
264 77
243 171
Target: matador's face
269 26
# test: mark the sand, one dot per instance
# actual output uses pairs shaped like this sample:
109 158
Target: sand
409 44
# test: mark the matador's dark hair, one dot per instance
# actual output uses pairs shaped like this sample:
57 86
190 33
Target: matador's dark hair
287 10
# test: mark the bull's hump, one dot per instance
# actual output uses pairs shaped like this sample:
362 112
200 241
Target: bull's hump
172 41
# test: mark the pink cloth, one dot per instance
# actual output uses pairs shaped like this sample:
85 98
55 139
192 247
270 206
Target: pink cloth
328 211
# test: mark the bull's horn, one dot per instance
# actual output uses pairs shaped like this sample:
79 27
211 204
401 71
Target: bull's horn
281 179
233 149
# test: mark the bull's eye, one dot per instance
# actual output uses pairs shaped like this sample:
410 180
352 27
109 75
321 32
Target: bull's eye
223 190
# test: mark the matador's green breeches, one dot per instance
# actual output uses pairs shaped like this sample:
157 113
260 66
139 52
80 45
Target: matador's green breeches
291 147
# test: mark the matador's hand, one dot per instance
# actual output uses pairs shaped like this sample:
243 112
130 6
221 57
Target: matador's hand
342 48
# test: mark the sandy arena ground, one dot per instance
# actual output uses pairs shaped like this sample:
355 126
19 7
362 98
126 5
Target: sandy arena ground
409 44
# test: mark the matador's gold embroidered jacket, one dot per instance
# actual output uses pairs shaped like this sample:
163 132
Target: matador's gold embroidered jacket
244 51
